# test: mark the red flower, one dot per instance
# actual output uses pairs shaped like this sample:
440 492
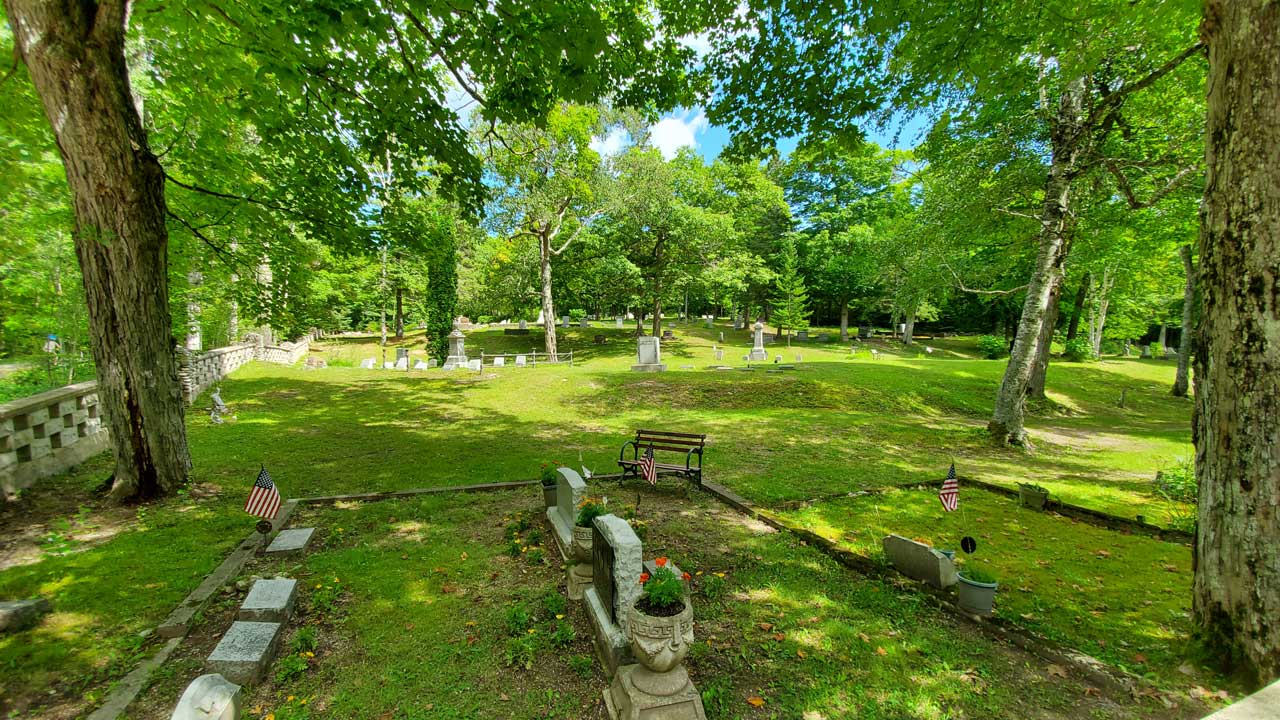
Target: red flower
644 578
660 562
686 576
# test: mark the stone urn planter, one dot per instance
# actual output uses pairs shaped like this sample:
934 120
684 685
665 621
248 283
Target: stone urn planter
579 574
582 544
549 495
659 644
976 595
657 686
1033 496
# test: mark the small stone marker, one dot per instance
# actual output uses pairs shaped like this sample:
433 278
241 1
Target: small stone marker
617 556
668 335
564 322
719 354
368 363
520 361
499 361
524 325
721 336
402 354
584 324
570 489
919 561
209 697
269 601
803 335
290 541
450 365
474 365
432 363
388 365
402 363
709 323
686 367
420 365
18 615
244 653
617 323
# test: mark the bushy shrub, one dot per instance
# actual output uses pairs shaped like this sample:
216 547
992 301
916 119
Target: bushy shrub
992 347
1077 349
1177 482
577 314
588 511
1157 350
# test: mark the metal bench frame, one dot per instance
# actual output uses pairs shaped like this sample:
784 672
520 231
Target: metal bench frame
688 443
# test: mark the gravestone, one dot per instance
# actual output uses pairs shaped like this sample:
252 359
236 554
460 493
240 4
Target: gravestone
245 652
799 358
570 489
564 322
710 324
368 363
584 324
719 354
617 323
864 332
875 354
18 615
758 353
402 354
919 561
524 325
598 340
648 355
269 601
616 566
668 335
1146 351
1170 353
431 363
209 697
802 336
420 365
499 361
388 365
291 541
722 336
457 349
402 363
474 365
520 361
450 365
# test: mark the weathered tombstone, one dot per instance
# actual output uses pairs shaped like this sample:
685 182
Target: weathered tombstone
293 540
368 363
648 355
802 336
269 600
719 354
474 365
864 332
875 354
616 566
245 651
524 325
710 324
431 363
758 353
402 353
18 615
388 365
1170 353
583 323
520 361
420 365
499 361
598 340
564 321
457 348
402 363
209 697
449 365
617 323
668 335
721 336
919 561
570 489
799 358
1146 351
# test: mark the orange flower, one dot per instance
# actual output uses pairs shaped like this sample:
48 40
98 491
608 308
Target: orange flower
660 562
686 576
644 578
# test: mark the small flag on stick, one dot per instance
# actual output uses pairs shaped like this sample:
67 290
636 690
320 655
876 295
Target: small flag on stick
648 468
264 499
950 493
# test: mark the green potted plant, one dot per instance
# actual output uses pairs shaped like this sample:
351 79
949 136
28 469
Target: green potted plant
660 623
1033 496
588 510
547 475
977 590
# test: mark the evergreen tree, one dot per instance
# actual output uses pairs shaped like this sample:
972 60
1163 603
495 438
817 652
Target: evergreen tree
791 304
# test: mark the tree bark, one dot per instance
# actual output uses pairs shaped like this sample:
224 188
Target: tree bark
844 320
1068 139
658 259
548 303
194 341
1098 312
910 322
1044 344
1162 339
75 54
399 321
1181 379
1082 296
1237 360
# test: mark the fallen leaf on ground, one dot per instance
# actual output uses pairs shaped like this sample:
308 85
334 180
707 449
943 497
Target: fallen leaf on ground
864 637
766 626
1139 658
779 637
756 700
881 651
1057 671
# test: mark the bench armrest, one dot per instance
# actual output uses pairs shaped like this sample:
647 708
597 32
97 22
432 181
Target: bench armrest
688 459
635 452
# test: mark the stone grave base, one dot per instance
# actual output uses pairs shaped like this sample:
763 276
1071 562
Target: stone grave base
757 356
577 580
637 693
658 367
610 642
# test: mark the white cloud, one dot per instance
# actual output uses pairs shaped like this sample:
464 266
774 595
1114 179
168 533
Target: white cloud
610 144
679 130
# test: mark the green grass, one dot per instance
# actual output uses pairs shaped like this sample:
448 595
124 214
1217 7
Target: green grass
1122 598
839 422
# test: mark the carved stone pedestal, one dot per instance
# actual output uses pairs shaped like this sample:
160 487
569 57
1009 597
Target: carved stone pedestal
638 693
577 580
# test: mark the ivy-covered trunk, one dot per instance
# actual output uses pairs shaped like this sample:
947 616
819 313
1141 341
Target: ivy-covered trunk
75 54
1068 139
1236 601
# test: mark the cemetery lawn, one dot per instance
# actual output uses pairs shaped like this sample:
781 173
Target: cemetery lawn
1122 598
426 608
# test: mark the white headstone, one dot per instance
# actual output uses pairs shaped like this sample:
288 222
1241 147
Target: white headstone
474 365
420 365
209 697
617 322
583 323
648 355
564 321
524 325
368 363
758 353
388 365
499 361
570 490
520 361
402 363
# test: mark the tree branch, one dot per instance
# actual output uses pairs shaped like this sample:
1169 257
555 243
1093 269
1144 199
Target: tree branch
1114 99
1123 182
960 284
439 53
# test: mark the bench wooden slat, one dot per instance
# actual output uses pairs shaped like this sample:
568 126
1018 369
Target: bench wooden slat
684 449
688 444
671 434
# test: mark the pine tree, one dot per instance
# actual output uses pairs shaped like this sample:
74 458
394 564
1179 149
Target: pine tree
791 304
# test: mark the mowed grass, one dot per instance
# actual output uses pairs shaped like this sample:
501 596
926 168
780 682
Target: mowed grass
839 422
1122 598
422 608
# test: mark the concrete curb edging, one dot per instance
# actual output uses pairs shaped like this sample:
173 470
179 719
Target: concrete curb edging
1095 670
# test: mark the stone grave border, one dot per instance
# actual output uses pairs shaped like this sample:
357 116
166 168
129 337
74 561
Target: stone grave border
1096 671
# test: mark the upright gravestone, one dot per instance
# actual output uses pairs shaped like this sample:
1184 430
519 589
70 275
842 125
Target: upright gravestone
402 354
564 321
617 323
668 335
710 324
802 335
616 566
403 363
457 349
722 337
524 325
583 323
758 353
368 363
648 355
570 489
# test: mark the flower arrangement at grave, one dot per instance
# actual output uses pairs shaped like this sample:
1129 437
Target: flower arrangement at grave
588 510
660 622
547 473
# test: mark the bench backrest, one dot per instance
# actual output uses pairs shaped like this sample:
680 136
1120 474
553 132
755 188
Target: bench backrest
661 440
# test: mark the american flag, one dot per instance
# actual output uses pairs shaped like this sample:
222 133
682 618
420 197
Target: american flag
264 499
647 467
950 493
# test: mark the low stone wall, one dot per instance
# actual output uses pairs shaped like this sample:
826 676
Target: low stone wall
208 368
47 433
287 353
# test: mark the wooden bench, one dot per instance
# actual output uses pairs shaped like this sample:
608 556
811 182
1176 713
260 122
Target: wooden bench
687 443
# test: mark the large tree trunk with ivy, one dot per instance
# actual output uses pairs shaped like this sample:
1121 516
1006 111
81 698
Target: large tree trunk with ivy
75 54
1068 140
548 303
1044 345
1237 364
1181 379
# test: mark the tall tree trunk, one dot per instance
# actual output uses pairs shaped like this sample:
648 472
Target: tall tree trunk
844 320
1068 140
1098 312
194 341
910 329
1181 379
75 54
233 307
1082 296
1044 344
399 322
548 304
1237 359
1162 339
